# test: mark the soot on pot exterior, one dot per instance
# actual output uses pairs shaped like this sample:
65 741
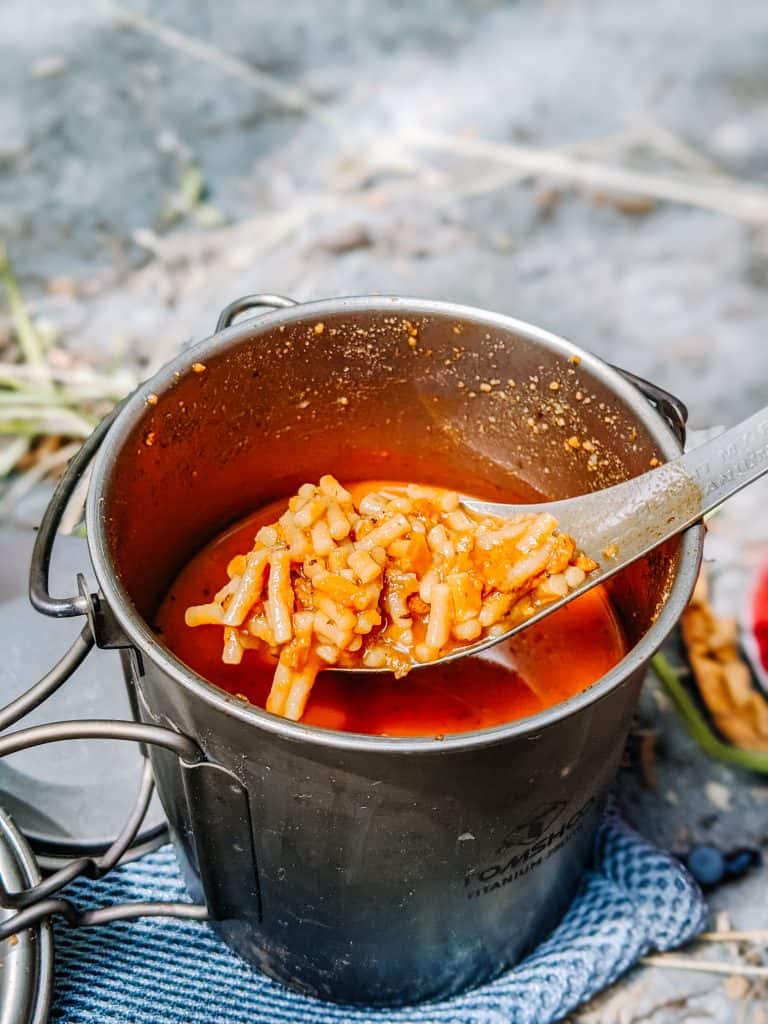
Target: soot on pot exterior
362 868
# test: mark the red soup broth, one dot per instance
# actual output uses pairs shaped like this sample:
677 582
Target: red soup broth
545 664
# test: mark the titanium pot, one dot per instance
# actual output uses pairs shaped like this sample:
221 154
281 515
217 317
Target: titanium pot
356 868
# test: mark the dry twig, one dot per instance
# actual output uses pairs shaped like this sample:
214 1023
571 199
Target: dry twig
718 193
758 936
286 95
685 963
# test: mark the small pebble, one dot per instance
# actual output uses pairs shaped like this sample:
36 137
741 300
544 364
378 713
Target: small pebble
706 864
710 866
719 795
740 860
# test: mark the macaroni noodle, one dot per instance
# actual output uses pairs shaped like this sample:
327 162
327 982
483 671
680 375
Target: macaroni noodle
399 578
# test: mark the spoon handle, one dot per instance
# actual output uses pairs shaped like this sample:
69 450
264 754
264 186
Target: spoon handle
730 461
630 519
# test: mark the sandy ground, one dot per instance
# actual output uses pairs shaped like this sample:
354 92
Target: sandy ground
330 148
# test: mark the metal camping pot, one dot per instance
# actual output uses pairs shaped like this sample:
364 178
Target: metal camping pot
357 868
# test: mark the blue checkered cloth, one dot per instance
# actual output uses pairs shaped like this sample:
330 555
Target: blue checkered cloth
635 899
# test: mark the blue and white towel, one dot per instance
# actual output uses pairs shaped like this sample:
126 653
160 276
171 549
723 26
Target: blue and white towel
636 898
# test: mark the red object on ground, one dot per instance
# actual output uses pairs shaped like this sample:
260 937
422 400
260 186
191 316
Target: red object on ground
759 615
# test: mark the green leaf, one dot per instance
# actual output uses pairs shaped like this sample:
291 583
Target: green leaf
699 728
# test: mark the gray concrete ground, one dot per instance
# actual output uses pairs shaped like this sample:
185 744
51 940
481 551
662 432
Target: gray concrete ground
102 123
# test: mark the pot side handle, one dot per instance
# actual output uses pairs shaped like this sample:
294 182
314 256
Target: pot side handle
671 408
39 570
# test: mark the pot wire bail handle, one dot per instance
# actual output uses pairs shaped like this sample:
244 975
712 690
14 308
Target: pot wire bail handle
48 684
247 302
41 900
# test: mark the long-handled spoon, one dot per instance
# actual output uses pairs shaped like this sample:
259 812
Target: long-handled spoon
620 524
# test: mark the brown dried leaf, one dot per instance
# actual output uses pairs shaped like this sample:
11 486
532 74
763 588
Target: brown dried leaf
625 202
723 679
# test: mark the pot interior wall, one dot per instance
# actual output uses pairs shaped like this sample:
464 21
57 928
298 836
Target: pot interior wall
366 395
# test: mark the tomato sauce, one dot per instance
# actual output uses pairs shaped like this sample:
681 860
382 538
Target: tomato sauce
545 664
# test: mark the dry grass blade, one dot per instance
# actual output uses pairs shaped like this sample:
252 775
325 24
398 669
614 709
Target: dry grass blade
758 936
39 401
11 451
79 381
73 514
32 419
27 481
28 339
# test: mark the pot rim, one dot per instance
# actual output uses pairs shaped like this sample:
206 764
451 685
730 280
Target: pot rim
141 636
